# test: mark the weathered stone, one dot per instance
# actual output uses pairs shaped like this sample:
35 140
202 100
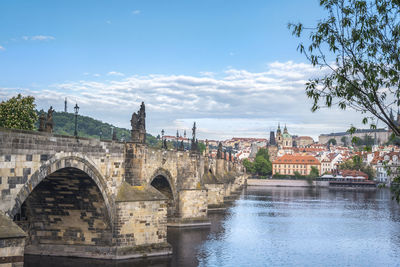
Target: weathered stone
95 198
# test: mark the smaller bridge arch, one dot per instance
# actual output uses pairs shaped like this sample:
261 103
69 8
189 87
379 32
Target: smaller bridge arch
162 181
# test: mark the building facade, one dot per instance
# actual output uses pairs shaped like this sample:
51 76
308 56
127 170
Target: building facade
289 164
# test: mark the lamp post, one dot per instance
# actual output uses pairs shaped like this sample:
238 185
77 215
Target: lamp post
76 108
184 138
177 140
162 138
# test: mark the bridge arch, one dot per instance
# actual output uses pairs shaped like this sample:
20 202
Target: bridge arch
55 164
65 202
162 181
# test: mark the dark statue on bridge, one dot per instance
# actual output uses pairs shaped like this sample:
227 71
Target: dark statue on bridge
138 123
49 122
194 144
46 124
42 122
219 151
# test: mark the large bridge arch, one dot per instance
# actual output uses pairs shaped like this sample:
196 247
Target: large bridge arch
56 163
163 181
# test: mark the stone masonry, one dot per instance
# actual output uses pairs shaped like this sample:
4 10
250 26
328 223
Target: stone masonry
104 199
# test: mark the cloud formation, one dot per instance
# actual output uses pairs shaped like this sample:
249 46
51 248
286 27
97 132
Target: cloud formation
231 103
136 12
2 48
115 73
38 38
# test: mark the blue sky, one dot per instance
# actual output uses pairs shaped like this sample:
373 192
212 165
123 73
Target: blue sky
230 65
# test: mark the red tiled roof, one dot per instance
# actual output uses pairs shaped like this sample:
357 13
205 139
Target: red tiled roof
296 159
353 173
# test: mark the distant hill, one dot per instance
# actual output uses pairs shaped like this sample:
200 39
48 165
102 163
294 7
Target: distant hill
64 123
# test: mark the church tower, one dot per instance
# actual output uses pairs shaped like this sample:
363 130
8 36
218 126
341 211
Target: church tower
279 139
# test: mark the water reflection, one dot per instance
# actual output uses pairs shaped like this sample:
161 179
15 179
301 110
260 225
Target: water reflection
283 227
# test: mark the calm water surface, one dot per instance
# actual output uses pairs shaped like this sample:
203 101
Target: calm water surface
280 226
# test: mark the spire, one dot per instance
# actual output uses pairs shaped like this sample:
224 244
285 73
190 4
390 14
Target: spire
279 128
285 129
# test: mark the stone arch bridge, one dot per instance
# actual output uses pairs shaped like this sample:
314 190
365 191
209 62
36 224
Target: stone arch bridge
103 199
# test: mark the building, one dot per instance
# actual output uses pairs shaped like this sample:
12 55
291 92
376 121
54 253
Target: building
303 141
287 138
289 164
283 139
381 136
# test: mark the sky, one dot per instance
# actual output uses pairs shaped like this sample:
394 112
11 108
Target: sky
231 66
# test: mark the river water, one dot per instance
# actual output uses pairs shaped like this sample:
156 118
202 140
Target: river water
277 226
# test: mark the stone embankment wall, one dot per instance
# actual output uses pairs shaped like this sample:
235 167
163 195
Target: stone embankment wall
278 182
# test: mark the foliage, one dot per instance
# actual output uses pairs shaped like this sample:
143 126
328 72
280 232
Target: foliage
314 174
393 140
249 166
202 147
356 163
332 141
344 140
18 113
357 46
298 175
261 166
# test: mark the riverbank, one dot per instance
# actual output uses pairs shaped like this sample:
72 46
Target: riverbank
279 182
304 183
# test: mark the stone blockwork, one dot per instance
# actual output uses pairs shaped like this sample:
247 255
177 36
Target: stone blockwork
66 208
12 243
92 198
193 203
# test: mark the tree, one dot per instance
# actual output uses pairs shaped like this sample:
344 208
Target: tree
248 165
18 113
202 147
314 173
344 140
358 47
262 166
332 141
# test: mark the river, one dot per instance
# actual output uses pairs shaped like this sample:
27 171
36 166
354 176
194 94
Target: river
282 226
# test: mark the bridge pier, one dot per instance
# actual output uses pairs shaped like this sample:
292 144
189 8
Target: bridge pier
12 243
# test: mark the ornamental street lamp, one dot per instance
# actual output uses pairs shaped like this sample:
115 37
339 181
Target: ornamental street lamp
162 138
76 108
177 140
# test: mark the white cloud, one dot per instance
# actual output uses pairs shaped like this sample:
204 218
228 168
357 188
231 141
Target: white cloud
115 73
38 38
232 103
136 12
2 48
96 75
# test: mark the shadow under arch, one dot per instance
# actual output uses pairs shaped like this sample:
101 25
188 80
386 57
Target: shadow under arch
52 166
162 181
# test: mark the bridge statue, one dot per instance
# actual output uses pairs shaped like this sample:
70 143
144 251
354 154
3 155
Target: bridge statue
194 144
138 123
42 122
49 122
219 151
